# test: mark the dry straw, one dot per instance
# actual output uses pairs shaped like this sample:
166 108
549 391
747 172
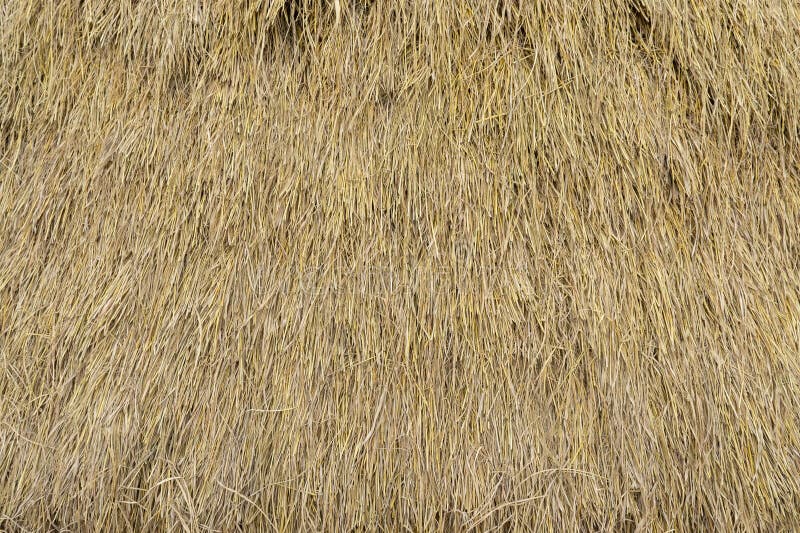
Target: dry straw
399 265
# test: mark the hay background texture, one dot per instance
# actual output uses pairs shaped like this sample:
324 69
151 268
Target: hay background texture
367 265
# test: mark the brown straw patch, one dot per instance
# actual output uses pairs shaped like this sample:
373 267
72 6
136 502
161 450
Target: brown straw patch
414 265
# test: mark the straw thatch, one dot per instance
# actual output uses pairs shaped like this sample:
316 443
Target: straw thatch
381 265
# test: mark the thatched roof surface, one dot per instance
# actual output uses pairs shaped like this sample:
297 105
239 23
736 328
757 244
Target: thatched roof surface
331 264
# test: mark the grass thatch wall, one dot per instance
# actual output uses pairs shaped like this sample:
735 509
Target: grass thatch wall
433 265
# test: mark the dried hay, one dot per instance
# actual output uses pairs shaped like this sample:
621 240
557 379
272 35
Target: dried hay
337 265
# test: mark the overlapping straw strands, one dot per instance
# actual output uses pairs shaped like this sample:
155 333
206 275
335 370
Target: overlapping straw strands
399 265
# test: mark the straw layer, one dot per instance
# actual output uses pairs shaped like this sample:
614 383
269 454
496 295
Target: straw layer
369 265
